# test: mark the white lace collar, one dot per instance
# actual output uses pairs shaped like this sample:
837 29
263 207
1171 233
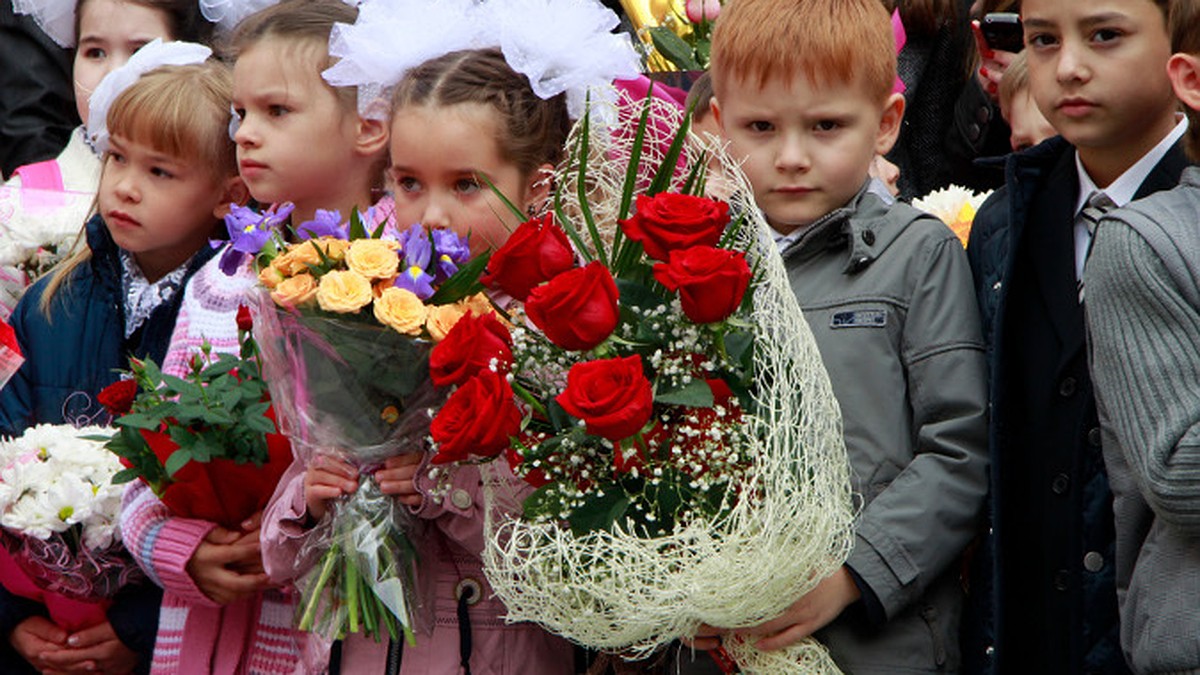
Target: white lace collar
140 296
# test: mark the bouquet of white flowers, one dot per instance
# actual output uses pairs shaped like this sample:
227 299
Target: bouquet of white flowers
37 229
59 542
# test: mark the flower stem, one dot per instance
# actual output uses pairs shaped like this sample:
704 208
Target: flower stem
310 610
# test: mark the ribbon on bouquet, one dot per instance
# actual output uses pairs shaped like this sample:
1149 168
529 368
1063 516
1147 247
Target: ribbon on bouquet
68 613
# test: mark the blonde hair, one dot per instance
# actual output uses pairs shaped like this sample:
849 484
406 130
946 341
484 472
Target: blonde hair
1015 80
181 111
825 40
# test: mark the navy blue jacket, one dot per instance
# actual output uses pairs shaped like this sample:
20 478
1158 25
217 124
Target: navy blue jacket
1042 582
70 357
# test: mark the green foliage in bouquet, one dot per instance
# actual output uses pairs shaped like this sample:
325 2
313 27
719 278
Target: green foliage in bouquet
219 410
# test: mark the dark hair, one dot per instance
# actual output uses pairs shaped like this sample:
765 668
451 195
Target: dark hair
1184 24
924 17
532 130
183 18
306 22
699 96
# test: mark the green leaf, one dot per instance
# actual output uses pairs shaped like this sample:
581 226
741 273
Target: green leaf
635 156
138 421
666 170
695 394
125 475
544 501
520 215
177 460
599 513
463 283
581 184
739 346
638 295
703 53
357 231
673 48
559 418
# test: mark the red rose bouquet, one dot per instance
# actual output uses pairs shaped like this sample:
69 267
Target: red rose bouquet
207 443
346 335
665 402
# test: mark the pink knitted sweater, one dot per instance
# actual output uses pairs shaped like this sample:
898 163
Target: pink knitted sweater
195 635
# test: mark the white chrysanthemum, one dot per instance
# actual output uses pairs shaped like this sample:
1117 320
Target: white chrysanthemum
53 479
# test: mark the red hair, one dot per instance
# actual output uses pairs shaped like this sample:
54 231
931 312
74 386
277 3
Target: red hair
825 40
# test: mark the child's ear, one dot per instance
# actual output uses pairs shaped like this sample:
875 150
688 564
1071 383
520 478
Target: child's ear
889 124
1184 71
233 192
715 108
537 189
372 136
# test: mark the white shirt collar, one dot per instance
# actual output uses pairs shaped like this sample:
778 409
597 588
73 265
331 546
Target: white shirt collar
1122 189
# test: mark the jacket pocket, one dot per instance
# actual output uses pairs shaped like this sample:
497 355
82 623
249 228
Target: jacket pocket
929 615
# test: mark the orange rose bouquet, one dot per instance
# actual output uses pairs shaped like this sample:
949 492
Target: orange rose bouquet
348 322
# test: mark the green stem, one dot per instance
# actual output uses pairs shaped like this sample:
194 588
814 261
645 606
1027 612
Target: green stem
314 600
529 398
352 583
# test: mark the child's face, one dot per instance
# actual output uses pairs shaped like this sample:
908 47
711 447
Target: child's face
110 31
807 148
1026 121
295 140
158 207
1097 69
438 155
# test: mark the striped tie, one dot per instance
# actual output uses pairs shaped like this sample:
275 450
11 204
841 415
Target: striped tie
1097 205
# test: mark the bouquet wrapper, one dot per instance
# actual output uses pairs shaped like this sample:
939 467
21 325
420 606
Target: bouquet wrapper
37 228
360 392
221 491
75 586
10 352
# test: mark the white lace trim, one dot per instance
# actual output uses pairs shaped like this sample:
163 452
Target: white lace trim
140 296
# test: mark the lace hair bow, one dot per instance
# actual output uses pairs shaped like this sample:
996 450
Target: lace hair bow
56 18
149 57
560 45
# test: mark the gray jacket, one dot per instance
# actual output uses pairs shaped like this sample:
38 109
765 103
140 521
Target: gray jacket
1143 314
887 292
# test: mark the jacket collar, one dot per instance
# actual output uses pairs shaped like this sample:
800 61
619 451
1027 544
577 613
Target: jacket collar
861 228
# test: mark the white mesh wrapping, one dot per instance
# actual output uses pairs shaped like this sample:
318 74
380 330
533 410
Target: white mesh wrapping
619 592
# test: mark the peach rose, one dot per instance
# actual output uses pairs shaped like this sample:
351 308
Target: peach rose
442 318
477 304
373 258
296 291
300 256
401 310
343 291
270 276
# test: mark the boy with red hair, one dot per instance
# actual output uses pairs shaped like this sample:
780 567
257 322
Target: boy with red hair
804 96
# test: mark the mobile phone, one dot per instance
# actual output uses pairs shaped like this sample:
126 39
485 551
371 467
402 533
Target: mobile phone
1002 30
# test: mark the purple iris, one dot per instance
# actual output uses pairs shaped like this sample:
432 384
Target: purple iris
324 224
417 248
452 251
249 232
417 280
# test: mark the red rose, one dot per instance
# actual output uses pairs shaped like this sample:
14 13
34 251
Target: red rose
711 281
244 321
535 252
468 348
118 397
612 396
477 419
669 221
577 310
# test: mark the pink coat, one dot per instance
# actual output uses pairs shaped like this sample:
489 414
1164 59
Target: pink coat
452 548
